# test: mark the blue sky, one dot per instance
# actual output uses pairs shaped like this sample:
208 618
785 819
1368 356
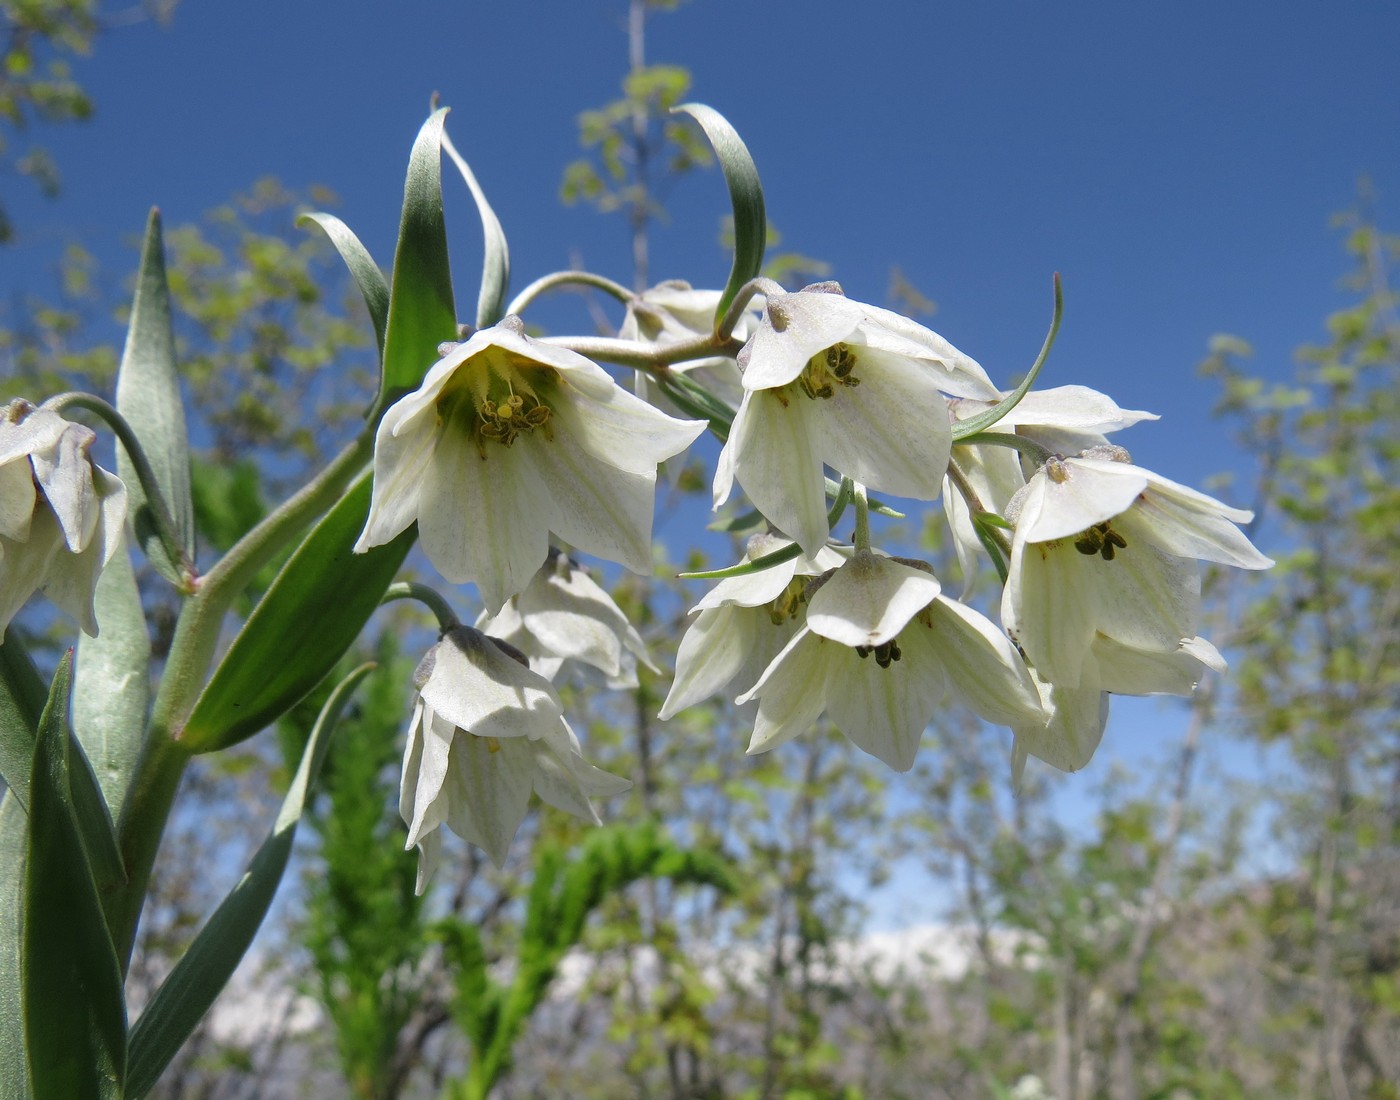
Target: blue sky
1176 162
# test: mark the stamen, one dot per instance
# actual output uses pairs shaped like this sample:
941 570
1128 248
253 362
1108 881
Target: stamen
826 370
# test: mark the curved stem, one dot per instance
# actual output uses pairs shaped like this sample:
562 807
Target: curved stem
429 597
145 474
1028 447
975 424
568 278
994 539
767 287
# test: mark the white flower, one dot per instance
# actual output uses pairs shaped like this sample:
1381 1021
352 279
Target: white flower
1065 419
562 615
507 440
879 651
61 516
1103 575
485 732
743 623
832 381
673 311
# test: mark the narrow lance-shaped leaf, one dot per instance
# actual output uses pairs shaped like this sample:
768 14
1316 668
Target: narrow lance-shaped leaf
112 685
14 845
204 970
74 1011
316 607
421 311
745 195
495 263
148 396
22 699
373 286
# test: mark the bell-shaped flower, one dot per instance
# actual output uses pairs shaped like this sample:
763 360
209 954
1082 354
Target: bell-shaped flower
507 440
829 381
673 311
61 515
1103 571
485 732
1065 419
563 616
880 650
743 623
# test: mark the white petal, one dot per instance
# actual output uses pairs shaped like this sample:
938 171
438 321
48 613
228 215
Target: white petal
1146 598
428 753
17 498
956 373
620 429
400 463
1125 670
1179 526
796 327
64 473
869 600
983 666
891 432
477 687
1075 407
490 784
884 710
1068 741
792 691
71 580
37 429
24 565
596 507
714 649
484 520
429 855
777 463
1050 606
1090 493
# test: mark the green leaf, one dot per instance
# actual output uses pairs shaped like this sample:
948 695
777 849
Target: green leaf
745 195
495 264
373 287
314 610
22 699
112 682
204 970
421 311
14 844
74 1012
148 396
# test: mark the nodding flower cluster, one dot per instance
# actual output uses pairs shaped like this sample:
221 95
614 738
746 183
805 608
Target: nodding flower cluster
1098 556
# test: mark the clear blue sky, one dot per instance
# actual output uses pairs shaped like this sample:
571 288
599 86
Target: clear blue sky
1177 162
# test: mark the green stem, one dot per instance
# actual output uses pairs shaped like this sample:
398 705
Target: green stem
862 539
975 424
1028 447
429 597
993 539
567 278
145 474
163 757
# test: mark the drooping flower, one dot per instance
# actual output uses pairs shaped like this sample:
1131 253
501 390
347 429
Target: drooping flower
1065 419
879 651
61 515
743 623
485 732
507 440
831 381
562 616
1103 573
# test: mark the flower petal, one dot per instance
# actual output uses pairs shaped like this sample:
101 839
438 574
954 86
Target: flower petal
892 431
490 784
715 647
619 429
775 459
796 327
884 710
792 691
1069 739
869 600
401 462
477 687
983 666
1089 493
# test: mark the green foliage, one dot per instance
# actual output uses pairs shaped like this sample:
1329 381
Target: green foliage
565 891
